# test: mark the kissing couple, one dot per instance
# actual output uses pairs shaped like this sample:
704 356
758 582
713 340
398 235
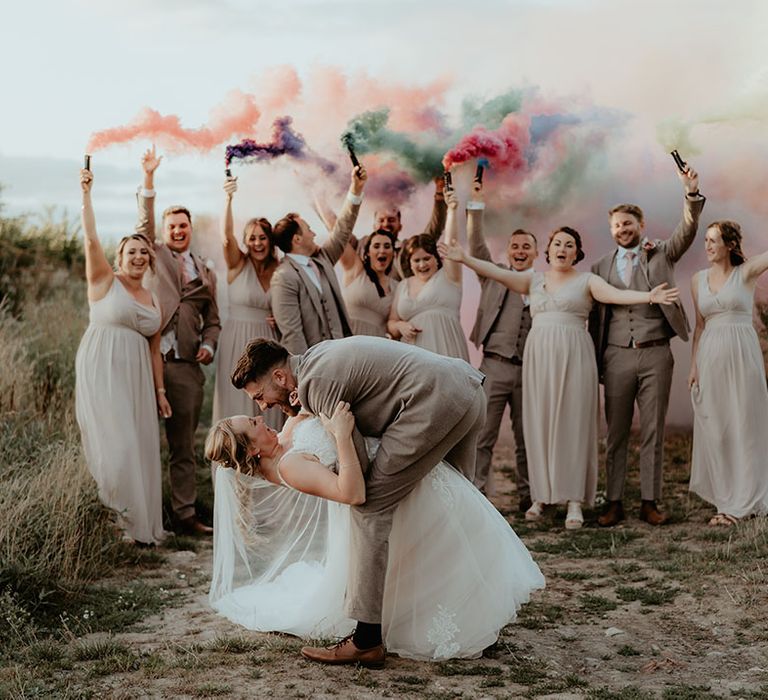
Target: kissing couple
381 540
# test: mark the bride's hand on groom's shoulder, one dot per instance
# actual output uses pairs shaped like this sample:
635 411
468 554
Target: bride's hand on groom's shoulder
341 423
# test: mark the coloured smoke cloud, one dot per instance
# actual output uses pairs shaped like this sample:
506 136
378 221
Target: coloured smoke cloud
236 116
285 142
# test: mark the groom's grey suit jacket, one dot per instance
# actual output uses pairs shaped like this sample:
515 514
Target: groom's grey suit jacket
409 397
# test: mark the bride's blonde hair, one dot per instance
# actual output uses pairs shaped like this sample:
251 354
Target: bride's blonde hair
230 449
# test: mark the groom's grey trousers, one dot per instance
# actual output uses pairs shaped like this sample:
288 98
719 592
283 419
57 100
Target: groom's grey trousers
372 521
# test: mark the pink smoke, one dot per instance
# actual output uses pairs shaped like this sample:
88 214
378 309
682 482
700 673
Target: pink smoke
236 116
503 147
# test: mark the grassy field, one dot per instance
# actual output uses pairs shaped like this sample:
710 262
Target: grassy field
634 612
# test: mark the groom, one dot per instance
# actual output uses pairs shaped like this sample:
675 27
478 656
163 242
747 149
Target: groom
424 407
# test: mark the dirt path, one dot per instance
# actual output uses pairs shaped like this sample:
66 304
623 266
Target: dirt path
636 612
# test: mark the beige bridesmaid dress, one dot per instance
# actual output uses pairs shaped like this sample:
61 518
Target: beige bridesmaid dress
560 394
247 319
729 467
368 312
435 310
117 411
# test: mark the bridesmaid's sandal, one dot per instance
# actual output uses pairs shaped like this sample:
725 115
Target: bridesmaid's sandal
535 511
574 519
723 520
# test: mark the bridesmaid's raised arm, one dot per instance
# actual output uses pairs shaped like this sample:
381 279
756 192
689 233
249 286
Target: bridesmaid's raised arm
452 267
233 256
98 271
519 282
608 294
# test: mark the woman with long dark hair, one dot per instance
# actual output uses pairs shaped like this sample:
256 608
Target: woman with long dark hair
367 286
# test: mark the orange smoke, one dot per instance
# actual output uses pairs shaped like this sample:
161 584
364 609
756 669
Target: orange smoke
234 118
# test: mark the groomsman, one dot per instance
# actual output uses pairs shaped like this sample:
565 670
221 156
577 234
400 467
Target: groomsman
632 347
306 298
186 290
501 327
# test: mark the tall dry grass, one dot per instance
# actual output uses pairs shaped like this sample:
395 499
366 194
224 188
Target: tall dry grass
55 536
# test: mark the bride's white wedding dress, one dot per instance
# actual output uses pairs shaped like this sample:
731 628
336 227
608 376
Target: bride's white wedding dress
457 572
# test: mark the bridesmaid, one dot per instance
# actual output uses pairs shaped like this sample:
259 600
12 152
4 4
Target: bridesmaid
249 275
425 310
367 285
727 380
119 381
559 370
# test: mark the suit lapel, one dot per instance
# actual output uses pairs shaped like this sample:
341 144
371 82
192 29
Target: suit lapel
309 285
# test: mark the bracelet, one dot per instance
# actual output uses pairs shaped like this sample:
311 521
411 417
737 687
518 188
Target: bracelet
160 390
693 194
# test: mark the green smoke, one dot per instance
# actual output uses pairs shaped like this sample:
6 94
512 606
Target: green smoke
368 133
491 113
673 134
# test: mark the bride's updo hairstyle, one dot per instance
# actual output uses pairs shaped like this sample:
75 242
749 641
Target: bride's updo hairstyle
229 448
259 356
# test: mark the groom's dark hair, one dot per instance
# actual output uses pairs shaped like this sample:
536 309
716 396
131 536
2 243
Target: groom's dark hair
259 356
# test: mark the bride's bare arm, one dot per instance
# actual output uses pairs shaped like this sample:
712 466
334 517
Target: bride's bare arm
306 474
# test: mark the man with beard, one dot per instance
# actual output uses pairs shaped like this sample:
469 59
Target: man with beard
424 407
501 327
306 299
186 290
632 347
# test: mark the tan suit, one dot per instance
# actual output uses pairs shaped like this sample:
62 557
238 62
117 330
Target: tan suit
501 326
303 315
191 312
633 356
423 406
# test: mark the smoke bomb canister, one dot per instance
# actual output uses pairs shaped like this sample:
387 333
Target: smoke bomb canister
448 180
87 161
479 173
353 157
681 164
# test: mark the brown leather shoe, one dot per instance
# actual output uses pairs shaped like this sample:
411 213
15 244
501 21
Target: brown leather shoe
612 515
651 514
345 652
192 526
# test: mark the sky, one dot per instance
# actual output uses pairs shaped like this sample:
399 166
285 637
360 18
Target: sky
75 67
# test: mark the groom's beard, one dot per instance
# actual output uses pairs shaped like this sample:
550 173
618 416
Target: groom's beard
289 402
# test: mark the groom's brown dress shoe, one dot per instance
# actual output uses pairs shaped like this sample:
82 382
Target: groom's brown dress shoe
612 515
345 652
651 514
192 526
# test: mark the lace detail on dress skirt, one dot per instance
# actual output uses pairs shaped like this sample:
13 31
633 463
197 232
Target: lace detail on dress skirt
442 633
439 481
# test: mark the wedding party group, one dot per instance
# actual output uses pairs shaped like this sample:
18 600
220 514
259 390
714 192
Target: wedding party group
351 443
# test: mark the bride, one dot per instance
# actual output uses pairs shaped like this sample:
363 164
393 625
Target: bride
456 574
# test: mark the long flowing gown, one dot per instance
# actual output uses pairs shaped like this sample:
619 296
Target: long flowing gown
435 310
117 412
457 573
248 311
560 394
730 440
368 312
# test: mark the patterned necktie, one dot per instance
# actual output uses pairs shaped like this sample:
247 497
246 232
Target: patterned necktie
629 258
